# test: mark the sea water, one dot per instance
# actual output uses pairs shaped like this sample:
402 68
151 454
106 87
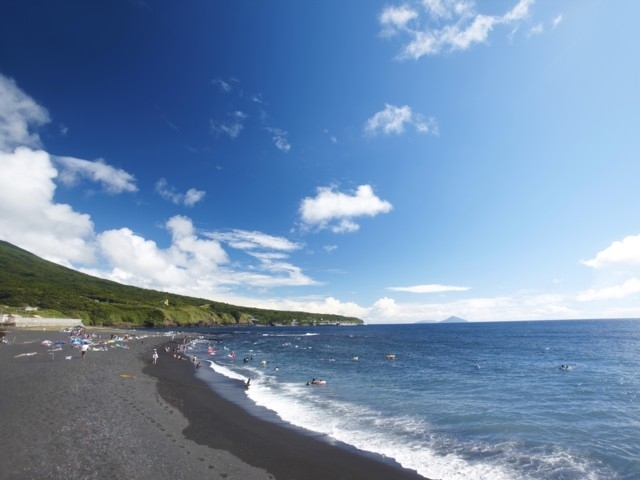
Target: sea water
553 400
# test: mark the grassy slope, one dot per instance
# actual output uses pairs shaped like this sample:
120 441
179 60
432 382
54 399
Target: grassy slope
27 280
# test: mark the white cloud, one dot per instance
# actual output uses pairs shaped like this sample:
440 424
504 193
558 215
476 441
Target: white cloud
556 21
439 8
337 210
187 266
432 288
113 180
193 196
196 266
271 252
519 12
279 138
625 252
396 18
444 25
536 30
135 260
325 305
628 288
188 199
222 85
19 114
238 120
232 127
517 306
29 216
252 240
393 120
425 124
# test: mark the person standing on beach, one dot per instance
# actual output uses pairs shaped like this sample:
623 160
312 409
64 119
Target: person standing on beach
155 356
83 349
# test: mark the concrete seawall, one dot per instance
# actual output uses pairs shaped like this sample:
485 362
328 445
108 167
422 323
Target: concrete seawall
42 322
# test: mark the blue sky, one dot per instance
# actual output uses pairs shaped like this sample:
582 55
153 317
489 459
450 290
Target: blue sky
397 161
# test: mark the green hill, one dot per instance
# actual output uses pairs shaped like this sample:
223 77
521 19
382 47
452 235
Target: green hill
57 291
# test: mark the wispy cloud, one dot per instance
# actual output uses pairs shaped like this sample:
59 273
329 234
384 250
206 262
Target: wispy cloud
537 29
222 85
271 252
252 240
430 288
337 211
188 199
232 126
19 114
238 120
279 138
616 292
556 21
393 119
436 26
113 180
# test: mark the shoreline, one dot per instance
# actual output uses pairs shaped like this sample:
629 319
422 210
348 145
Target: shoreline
114 415
282 450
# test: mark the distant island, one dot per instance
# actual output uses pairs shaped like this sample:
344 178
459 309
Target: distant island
453 319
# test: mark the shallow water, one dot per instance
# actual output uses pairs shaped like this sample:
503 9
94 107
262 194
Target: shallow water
459 401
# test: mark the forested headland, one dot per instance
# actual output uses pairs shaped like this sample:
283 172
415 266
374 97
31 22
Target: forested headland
28 281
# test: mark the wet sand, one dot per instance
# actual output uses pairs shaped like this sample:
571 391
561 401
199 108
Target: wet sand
116 415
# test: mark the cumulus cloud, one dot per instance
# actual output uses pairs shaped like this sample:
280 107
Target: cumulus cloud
337 210
19 114
193 196
196 263
393 120
113 180
436 26
29 216
623 252
188 199
432 288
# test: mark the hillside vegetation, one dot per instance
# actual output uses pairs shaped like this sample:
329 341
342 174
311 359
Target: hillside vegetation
29 281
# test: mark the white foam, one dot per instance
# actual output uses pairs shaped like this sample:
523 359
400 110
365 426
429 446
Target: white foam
409 441
307 407
307 334
227 372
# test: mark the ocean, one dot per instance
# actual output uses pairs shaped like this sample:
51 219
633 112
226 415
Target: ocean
553 400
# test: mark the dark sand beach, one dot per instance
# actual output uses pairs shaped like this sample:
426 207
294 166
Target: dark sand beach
116 415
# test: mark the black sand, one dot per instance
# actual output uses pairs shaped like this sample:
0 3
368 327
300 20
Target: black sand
114 415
